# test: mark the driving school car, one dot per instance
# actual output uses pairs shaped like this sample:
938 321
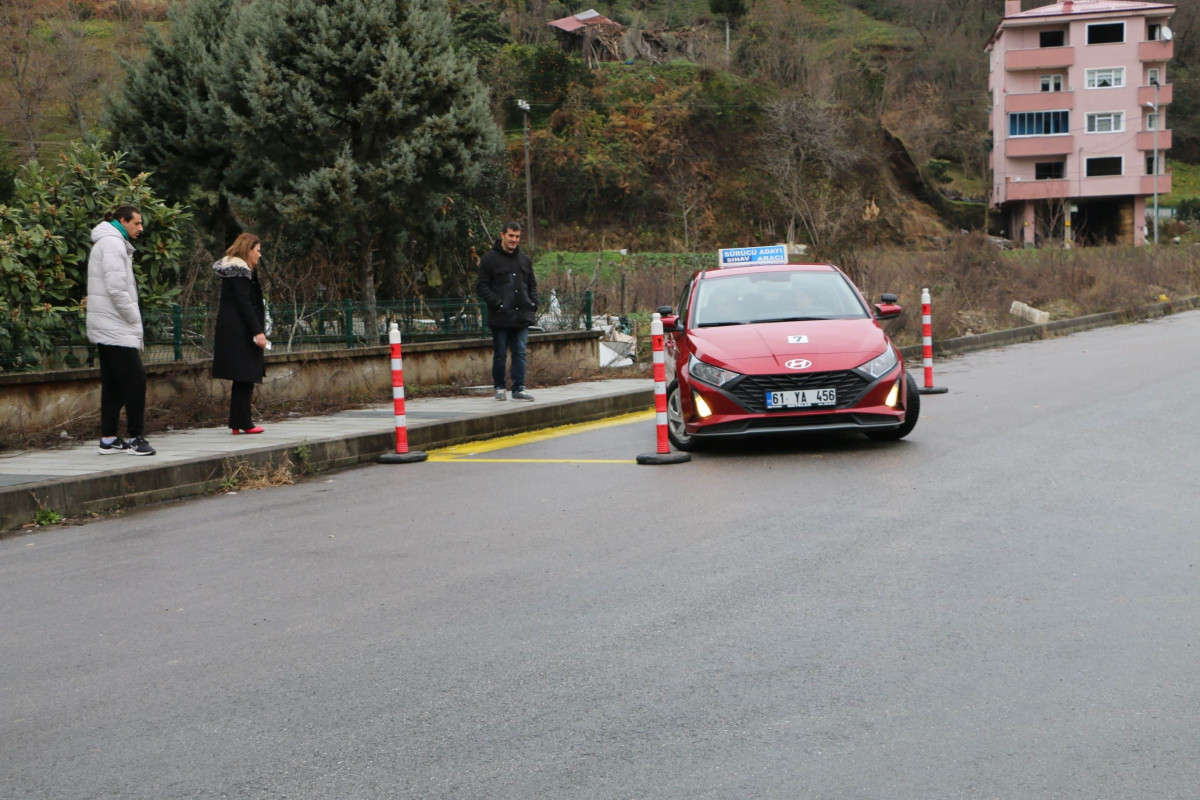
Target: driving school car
782 348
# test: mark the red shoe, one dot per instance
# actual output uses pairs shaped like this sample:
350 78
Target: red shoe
255 429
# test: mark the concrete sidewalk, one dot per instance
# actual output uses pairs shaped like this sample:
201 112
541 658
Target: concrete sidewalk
78 480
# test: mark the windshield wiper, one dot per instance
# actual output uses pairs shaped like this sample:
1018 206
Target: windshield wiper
791 319
721 324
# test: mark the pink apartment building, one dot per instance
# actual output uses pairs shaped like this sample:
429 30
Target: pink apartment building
1079 98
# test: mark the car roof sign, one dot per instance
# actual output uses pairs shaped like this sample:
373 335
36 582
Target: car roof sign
752 256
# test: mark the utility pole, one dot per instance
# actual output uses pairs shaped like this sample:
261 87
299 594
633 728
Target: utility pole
521 104
1157 125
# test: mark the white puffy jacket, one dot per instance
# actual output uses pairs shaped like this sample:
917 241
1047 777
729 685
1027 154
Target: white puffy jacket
113 316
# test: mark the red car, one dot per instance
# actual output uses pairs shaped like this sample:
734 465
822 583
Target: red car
782 349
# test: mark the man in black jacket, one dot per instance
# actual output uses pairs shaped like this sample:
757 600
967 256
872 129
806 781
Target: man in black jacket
506 283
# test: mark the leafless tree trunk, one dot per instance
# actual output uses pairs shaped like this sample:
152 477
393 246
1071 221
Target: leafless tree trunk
27 72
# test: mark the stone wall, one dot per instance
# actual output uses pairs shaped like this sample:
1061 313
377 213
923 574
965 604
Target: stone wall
46 401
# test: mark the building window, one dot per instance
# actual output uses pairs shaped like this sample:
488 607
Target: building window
1104 167
1052 83
1107 78
1152 121
1152 78
1150 170
1154 31
1039 123
1106 33
1106 122
1052 38
1049 170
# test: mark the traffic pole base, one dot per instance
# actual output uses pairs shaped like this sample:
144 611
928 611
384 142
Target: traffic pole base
932 390
664 458
411 457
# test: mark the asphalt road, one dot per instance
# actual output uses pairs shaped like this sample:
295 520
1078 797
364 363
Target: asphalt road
1005 605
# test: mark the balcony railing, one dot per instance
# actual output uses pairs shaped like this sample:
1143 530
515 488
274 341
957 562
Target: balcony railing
1037 190
1039 58
1039 101
1026 147
1166 93
1164 183
1145 140
1156 51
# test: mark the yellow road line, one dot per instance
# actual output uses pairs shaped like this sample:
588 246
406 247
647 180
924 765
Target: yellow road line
461 452
461 459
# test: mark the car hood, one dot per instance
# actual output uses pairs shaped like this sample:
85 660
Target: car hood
766 348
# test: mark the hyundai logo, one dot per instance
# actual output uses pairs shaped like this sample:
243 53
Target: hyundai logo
798 363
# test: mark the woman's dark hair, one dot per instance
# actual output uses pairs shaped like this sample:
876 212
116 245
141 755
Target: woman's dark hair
122 214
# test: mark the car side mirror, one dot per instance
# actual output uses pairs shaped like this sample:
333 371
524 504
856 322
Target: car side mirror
671 323
888 309
663 311
888 297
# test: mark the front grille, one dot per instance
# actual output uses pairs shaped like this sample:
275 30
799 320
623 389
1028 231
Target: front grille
751 390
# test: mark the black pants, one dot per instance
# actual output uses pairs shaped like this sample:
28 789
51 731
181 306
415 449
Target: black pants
122 385
239 405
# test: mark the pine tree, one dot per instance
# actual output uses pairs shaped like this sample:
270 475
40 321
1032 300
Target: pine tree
354 120
169 116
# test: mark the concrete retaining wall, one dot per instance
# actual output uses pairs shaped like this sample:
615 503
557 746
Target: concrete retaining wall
46 401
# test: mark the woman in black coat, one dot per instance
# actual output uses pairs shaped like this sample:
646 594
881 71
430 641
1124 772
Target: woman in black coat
241 329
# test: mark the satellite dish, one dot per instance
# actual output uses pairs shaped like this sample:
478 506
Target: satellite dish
1166 34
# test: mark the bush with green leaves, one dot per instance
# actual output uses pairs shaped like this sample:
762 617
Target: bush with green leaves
45 238
1188 209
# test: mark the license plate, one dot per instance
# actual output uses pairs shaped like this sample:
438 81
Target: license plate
802 398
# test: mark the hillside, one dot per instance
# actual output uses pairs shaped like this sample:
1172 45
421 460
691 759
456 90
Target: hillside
821 110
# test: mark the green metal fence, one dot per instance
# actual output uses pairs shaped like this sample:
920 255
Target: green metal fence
178 333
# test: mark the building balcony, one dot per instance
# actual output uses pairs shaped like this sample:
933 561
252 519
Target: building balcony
1041 58
1031 146
1037 190
1039 101
1166 93
1164 183
1156 51
1145 140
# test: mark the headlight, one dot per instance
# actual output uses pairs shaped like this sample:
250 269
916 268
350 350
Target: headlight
880 365
714 376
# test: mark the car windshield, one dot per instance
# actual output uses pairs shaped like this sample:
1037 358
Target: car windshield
775 297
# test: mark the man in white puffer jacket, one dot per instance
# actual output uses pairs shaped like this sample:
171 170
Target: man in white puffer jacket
114 324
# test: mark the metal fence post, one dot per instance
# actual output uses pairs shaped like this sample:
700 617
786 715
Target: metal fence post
177 325
587 308
348 317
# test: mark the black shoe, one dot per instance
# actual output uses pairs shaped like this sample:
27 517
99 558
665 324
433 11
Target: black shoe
140 447
119 446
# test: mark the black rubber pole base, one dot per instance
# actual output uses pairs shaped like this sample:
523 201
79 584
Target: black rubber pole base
932 390
411 457
664 458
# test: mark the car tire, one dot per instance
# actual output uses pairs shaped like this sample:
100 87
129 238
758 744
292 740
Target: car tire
910 417
676 431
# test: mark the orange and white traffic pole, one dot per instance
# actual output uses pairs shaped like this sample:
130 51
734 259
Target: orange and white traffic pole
927 346
663 454
402 455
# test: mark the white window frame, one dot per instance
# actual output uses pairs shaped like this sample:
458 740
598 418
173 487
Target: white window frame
1124 32
1153 76
1158 163
1117 78
1055 82
1115 118
1154 31
1152 121
1098 158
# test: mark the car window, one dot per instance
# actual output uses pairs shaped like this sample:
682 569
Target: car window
775 297
684 301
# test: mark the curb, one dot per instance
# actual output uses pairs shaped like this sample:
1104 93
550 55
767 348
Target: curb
79 496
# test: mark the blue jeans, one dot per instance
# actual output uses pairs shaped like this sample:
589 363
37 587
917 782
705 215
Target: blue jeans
503 340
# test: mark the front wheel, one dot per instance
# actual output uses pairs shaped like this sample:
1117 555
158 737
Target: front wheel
910 415
676 430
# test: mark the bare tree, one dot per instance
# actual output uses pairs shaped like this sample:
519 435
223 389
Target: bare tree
78 73
26 69
809 151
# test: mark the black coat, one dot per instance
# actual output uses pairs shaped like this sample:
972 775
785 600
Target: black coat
242 316
507 284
